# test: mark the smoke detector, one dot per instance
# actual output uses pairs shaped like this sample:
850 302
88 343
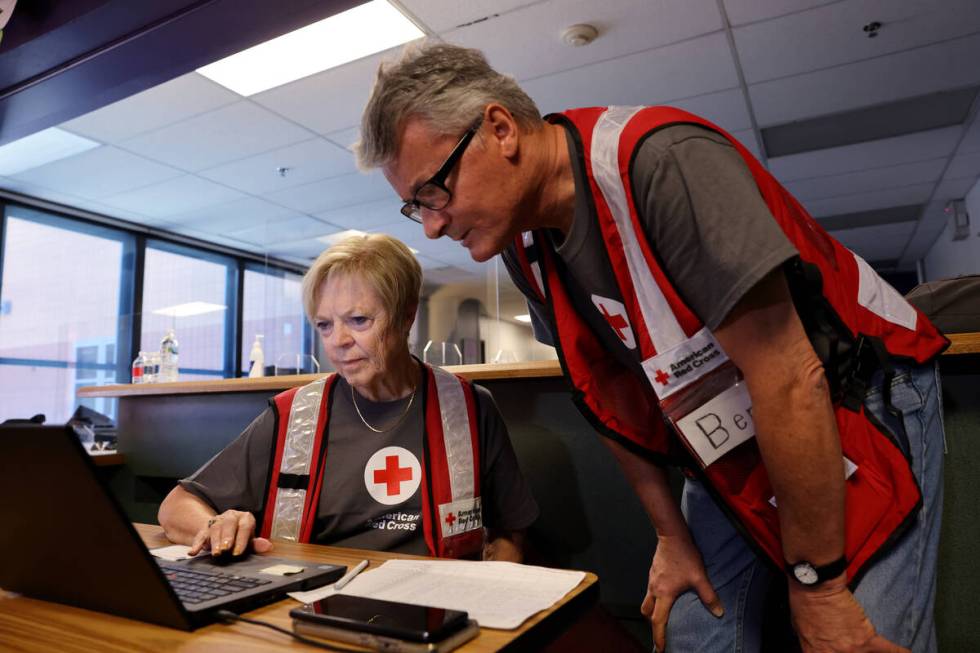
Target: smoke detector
578 35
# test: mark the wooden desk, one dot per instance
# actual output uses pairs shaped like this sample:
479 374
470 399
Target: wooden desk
32 625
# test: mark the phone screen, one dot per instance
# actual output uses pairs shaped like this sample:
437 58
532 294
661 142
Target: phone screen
401 620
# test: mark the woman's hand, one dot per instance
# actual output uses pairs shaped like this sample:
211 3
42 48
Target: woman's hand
231 531
676 568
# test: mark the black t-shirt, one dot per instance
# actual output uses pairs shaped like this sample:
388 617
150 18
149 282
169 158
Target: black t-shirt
371 497
705 221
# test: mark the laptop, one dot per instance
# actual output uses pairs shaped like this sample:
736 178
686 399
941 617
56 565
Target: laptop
65 538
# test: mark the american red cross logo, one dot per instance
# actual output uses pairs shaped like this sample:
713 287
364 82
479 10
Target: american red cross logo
617 322
661 377
614 313
392 475
450 519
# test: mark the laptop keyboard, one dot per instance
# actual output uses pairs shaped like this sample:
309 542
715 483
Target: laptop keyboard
196 586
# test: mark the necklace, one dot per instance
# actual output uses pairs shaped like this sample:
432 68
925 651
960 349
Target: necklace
353 397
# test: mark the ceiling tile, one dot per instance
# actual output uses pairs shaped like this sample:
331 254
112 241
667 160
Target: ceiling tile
879 199
971 140
874 81
927 230
173 197
412 235
624 27
40 192
921 146
284 231
953 189
747 138
867 180
748 11
367 215
333 193
696 67
305 162
345 138
964 166
227 134
831 35
441 15
727 109
99 173
307 248
170 102
234 216
327 101
879 243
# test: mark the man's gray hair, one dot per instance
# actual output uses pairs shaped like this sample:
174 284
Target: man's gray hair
446 85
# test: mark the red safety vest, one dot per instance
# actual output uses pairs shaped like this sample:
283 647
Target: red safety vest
676 350
452 518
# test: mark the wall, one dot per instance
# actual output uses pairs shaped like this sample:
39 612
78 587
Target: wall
949 258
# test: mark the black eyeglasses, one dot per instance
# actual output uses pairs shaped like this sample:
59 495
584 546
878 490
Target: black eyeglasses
433 194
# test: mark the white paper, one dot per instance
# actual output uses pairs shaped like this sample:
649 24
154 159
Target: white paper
497 594
172 552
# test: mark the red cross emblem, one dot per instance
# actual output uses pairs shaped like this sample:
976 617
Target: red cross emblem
450 519
661 377
392 475
614 313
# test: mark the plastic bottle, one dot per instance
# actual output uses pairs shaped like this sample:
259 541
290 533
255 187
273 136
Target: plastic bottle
168 358
151 367
138 368
256 359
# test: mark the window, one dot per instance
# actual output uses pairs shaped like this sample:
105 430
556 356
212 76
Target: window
65 302
194 293
272 305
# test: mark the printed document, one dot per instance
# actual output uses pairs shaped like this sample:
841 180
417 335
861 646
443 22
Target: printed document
497 594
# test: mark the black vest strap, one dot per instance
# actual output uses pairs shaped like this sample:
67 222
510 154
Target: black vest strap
294 481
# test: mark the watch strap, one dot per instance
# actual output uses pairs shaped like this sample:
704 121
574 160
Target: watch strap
823 572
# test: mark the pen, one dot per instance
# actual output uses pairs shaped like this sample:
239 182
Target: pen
349 576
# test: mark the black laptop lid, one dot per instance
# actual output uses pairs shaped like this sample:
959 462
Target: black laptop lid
63 536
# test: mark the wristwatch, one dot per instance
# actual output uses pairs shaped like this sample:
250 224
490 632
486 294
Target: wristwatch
806 573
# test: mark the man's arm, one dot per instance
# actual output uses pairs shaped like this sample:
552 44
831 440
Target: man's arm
800 446
677 565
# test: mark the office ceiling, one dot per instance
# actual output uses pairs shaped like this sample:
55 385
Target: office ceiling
899 110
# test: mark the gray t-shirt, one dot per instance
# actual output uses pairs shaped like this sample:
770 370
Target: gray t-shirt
705 221
371 494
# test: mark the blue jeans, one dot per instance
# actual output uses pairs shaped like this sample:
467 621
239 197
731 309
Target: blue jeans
897 592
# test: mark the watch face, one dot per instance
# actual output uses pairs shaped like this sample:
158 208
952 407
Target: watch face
805 573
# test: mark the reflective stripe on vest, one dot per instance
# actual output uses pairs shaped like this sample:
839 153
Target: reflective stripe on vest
297 453
672 343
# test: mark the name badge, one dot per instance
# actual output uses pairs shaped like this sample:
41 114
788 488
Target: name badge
717 427
460 516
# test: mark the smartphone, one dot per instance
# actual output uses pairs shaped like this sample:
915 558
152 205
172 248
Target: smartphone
402 621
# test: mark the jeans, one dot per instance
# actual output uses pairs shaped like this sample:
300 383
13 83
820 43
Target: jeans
897 592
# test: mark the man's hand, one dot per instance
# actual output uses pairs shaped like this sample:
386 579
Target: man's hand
231 531
676 568
828 619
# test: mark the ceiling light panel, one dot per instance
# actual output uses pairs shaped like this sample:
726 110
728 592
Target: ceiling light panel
358 32
38 149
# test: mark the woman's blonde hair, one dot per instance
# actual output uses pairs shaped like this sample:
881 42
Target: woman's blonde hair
385 262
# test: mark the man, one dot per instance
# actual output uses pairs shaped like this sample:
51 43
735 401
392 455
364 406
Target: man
677 278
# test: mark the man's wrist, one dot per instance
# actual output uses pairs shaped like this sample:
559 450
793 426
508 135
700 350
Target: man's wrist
809 575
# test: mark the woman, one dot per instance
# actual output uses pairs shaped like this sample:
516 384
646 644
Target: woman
386 454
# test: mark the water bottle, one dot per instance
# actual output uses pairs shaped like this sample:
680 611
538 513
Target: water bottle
138 368
151 367
256 359
168 358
